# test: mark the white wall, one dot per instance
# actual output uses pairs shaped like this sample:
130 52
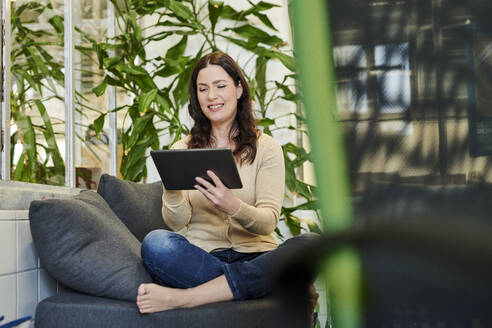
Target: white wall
23 281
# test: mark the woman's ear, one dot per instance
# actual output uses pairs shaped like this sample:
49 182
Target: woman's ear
239 90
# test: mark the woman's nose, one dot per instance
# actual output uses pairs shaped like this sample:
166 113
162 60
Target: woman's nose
211 94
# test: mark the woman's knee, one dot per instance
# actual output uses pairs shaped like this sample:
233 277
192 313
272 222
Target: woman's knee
160 243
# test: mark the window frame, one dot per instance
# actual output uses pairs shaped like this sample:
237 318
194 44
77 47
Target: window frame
69 49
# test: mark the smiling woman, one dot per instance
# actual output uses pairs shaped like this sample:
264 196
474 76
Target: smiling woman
220 105
229 248
218 95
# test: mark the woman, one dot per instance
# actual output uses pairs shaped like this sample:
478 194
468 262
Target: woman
230 243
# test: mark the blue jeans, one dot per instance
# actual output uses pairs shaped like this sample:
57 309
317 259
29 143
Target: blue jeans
173 261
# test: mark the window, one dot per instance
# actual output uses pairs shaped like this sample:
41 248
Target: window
47 128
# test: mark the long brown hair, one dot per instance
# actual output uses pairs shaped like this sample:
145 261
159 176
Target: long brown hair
243 132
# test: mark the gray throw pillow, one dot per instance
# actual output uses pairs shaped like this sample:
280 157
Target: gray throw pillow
139 206
83 245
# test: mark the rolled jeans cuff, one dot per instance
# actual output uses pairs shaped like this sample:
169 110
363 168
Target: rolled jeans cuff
233 285
246 280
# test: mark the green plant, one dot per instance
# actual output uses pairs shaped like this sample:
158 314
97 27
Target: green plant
36 75
195 28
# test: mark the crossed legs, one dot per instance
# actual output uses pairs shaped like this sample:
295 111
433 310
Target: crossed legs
201 278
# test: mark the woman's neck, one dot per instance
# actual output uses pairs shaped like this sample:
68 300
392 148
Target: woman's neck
221 136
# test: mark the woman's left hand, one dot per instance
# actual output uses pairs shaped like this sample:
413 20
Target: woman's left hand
219 195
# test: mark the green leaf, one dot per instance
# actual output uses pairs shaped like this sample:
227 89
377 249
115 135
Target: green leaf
114 82
163 103
288 94
177 50
309 205
50 137
110 62
265 20
35 85
122 67
260 77
101 88
57 22
277 231
314 227
145 82
228 12
292 223
246 45
28 136
287 60
145 100
19 167
262 6
265 122
99 124
182 12
256 35
214 10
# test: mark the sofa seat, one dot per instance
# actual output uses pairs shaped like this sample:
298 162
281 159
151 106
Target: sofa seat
75 310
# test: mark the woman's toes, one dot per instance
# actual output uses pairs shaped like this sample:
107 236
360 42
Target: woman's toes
142 290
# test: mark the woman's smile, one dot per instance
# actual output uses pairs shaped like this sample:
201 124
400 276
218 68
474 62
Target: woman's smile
217 95
215 107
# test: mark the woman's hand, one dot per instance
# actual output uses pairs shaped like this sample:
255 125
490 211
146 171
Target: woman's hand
219 195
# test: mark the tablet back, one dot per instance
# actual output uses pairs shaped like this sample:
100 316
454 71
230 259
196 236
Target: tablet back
179 167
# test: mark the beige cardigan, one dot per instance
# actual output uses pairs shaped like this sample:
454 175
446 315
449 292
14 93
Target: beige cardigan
251 228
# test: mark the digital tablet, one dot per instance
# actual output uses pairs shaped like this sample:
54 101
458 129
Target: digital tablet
178 168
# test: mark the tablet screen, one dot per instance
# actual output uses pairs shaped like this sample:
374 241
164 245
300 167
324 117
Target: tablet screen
178 168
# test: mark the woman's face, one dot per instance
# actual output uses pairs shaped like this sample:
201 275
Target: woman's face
217 95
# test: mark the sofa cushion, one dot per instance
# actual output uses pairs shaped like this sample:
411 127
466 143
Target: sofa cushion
83 245
139 206
80 311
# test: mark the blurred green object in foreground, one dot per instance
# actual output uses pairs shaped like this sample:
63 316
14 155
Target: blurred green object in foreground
314 60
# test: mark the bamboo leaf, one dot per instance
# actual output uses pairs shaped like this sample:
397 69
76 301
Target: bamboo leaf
19 167
262 6
260 77
214 10
35 85
265 20
28 138
265 122
145 100
255 35
243 44
99 124
163 103
293 224
286 60
182 12
124 68
177 50
110 62
101 88
57 22
49 135
228 12
288 94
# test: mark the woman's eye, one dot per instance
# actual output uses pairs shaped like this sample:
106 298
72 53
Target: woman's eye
202 90
221 86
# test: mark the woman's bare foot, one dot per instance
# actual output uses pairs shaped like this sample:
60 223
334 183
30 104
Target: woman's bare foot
154 298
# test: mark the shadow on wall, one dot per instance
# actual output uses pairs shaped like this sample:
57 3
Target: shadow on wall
406 89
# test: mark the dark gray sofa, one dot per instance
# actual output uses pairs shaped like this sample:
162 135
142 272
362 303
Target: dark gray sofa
86 242
76 310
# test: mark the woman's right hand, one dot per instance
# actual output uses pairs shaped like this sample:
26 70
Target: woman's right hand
219 195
